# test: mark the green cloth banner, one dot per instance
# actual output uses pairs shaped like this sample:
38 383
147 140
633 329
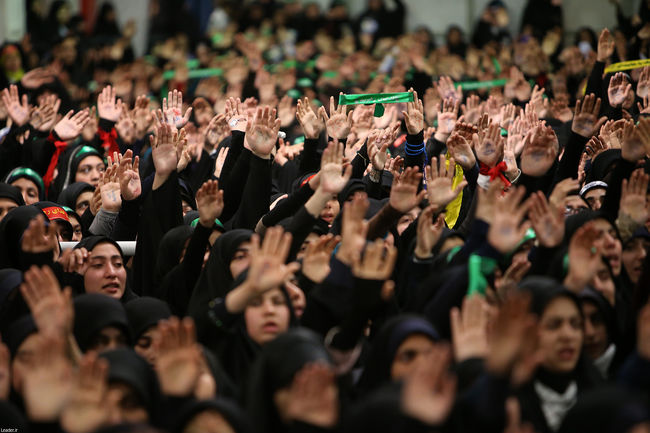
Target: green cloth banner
478 267
196 73
473 85
376 98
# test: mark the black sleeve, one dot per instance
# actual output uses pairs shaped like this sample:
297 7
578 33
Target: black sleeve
233 188
161 212
595 85
288 206
256 194
234 152
300 227
360 162
309 158
126 224
568 165
612 202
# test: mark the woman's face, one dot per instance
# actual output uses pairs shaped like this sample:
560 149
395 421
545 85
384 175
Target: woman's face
634 255
267 316
108 338
6 204
90 170
408 353
208 422
332 209
297 297
83 201
77 234
124 404
106 273
24 360
240 260
561 335
28 189
406 219
145 346
610 245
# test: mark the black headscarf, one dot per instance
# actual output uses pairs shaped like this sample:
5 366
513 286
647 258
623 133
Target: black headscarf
12 304
29 174
12 193
384 347
126 366
608 409
215 280
69 196
90 242
67 168
274 369
145 312
230 411
18 332
94 312
170 250
12 227
11 416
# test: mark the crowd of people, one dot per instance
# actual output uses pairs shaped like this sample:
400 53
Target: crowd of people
471 258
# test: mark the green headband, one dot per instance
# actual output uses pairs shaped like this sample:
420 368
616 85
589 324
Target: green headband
216 223
85 150
376 98
28 172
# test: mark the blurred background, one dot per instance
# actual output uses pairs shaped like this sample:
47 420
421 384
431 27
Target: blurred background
435 15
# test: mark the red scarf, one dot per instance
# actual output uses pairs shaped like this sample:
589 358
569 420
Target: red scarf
59 147
494 172
109 140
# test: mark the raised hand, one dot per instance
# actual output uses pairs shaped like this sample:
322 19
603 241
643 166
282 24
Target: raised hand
561 191
429 393
332 176
128 173
262 132
70 127
378 146
209 203
312 125
547 221
643 86
316 260
353 230
44 116
179 357
605 46
217 130
86 409
469 329
431 104
517 87
428 232
51 308
540 150
37 239
460 149
471 109
633 197
267 268
172 108
513 326
142 116
338 124
446 89
585 257
585 119
489 146
36 77
618 89
414 115
632 143
17 108
440 190
642 130
507 228
125 127
377 262
313 396
447 117
90 128
560 110
286 111
220 161
163 150
236 115
109 186
46 382
404 194
108 106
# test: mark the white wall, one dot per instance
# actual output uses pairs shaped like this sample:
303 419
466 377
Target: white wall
12 20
